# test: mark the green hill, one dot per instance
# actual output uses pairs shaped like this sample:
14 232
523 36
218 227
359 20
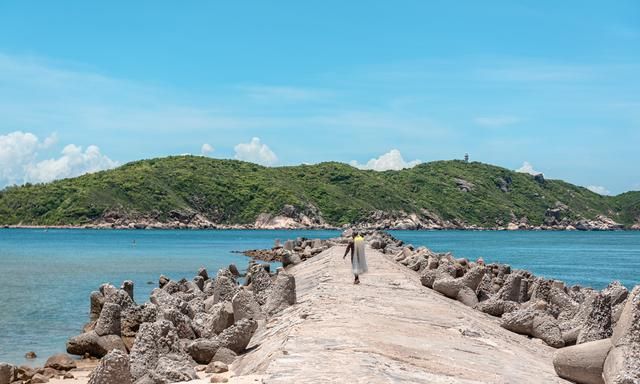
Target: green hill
234 192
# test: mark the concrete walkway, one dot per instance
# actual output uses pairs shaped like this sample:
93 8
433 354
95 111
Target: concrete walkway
388 329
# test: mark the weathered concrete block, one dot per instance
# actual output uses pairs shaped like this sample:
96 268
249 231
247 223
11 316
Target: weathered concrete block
582 363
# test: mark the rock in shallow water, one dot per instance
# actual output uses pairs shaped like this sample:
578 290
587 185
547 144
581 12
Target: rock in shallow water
61 362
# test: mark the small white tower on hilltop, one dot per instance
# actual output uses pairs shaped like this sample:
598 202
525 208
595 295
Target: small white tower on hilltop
466 157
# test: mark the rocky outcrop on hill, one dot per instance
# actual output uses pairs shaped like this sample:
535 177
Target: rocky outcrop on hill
290 217
553 219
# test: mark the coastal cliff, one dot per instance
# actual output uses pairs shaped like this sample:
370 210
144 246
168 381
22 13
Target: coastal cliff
199 192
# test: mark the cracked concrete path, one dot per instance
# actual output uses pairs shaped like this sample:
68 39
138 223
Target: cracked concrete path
388 329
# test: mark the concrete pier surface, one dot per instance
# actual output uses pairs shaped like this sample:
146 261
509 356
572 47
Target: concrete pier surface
388 329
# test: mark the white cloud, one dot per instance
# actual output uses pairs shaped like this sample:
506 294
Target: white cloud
391 160
73 162
528 168
264 93
255 152
19 153
599 189
17 150
524 71
206 149
496 121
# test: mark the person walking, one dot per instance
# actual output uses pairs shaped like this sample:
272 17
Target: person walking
358 258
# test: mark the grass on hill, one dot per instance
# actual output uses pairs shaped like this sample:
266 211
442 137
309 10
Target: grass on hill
236 192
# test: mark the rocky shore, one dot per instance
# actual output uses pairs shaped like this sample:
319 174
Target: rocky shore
600 224
555 219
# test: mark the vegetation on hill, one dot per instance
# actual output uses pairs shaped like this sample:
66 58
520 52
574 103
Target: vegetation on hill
235 192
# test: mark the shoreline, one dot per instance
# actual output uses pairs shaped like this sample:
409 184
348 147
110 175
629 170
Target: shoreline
326 228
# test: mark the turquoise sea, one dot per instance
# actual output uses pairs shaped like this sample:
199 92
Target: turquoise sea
46 276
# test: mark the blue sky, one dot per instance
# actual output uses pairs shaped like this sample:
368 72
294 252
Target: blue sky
87 86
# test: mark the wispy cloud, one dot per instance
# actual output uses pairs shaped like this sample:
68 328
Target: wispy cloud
38 95
272 94
496 121
536 72
599 189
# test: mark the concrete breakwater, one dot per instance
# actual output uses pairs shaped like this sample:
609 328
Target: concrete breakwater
602 327
599 326
418 316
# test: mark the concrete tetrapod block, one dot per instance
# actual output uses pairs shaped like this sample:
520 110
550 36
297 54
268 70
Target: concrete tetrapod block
582 363
622 365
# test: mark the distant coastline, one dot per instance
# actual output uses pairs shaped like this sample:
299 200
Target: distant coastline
164 226
191 192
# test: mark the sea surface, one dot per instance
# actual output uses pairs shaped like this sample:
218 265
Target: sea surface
46 276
